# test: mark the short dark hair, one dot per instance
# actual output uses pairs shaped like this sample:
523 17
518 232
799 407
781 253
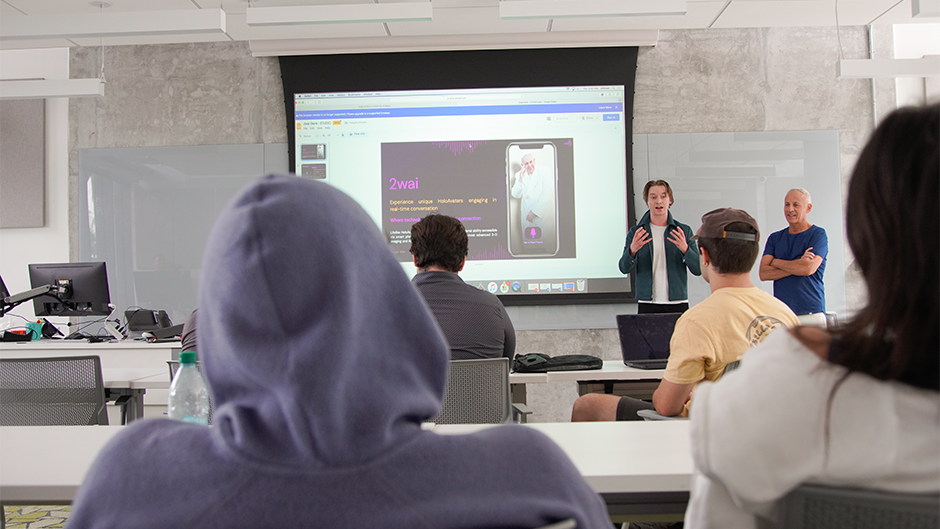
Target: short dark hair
732 256
891 224
651 183
439 240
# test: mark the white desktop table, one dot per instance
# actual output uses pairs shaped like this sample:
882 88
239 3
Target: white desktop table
127 353
639 468
613 375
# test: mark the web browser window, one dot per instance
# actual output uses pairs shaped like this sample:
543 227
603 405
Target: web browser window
537 175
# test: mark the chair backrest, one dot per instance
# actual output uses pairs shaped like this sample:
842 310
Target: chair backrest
819 507
66 390
174 366
477 393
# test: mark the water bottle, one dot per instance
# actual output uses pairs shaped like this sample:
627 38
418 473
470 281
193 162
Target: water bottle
189 394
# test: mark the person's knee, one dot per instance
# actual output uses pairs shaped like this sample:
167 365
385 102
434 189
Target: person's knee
594 407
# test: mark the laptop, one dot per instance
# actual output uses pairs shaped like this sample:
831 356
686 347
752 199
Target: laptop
644 339
4 293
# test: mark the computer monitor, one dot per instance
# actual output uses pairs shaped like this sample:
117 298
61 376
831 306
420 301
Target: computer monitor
83 289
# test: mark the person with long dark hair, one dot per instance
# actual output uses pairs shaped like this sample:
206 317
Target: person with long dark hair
853 406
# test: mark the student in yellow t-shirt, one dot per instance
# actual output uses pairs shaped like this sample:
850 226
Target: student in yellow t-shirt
712 334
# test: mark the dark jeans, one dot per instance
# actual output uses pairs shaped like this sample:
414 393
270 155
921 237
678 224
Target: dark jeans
661 308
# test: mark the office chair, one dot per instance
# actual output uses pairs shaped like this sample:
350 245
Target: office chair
51 391
174 366
821 507
66 390
478 393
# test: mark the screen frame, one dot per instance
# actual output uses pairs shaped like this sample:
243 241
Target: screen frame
431 70
89 287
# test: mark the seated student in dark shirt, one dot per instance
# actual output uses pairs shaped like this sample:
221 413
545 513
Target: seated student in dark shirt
474 321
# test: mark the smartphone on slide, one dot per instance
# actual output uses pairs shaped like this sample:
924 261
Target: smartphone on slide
532 195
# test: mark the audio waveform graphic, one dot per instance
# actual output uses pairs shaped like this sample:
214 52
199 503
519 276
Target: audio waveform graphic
458 147
498 252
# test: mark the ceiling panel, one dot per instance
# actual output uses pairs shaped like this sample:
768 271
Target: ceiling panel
7 10
467 21
473 19
699 15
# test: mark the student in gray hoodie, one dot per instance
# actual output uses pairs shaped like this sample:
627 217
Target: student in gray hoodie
323 361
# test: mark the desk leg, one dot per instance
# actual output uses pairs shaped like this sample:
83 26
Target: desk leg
131 401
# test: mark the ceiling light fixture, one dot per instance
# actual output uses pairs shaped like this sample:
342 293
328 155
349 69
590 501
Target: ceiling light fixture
874 68
338 14
925 8
41 89
589 8
178 22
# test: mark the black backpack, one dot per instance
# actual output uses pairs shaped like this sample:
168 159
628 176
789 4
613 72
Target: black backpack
542 363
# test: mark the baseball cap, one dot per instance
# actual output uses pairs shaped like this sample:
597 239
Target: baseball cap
715 221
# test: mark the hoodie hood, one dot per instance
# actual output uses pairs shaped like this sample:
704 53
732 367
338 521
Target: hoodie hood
317 348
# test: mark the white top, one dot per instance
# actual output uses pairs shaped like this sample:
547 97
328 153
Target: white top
660 276
759 432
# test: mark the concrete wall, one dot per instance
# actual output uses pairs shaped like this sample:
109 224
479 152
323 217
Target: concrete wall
692 81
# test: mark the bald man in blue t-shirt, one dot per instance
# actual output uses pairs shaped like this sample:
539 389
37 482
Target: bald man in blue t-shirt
795 259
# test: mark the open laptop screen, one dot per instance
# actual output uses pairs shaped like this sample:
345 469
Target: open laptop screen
645 336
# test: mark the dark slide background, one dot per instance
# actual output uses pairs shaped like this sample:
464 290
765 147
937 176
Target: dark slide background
467 170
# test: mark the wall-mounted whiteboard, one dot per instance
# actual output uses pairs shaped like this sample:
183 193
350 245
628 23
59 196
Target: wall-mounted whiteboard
751 171
147 212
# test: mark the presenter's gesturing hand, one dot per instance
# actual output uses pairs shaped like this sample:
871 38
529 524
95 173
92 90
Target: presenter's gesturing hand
677 237
640 239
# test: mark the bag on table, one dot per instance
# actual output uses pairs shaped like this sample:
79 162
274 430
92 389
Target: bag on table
542 363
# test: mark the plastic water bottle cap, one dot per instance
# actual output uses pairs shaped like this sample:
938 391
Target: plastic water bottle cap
188 357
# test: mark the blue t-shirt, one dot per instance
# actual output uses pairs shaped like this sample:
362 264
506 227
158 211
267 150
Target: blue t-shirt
803 294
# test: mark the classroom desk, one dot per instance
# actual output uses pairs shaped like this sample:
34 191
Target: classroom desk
124 365
123 354
639 468
613 377
642 469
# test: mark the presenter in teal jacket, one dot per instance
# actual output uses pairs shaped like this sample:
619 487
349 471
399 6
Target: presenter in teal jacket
659 251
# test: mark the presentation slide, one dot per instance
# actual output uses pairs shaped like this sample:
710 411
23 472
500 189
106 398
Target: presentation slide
536 175
481 182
